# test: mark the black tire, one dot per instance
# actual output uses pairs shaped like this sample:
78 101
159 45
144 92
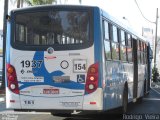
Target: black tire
125 100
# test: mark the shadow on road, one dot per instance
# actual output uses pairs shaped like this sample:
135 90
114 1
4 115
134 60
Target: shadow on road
111 115
96 117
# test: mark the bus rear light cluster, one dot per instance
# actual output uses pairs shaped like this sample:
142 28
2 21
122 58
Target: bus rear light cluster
91 86
12 79
92 79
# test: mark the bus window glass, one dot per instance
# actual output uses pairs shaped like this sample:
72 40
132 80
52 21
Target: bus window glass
123 37
106 30
115 34
129 53
123 53
52 27
107 49
139 45
129 40
115 51
21 33
145 48
142 47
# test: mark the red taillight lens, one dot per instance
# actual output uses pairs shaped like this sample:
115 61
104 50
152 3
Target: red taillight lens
10 69
92 70
12 79
92 79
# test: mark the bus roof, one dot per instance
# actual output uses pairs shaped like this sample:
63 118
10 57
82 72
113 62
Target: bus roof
123 26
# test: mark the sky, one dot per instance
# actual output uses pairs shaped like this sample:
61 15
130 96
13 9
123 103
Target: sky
118 9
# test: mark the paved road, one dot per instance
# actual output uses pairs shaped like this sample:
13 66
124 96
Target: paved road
149 109
149 104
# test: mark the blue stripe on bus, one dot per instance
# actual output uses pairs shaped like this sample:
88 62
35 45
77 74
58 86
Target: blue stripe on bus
98 42
69 85
8 42
48 77
8 47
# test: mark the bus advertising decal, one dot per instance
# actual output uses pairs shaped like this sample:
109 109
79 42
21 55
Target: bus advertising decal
27 71
32 79
48 77
61 79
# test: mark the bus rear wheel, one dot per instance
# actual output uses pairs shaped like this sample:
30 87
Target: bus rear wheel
125 100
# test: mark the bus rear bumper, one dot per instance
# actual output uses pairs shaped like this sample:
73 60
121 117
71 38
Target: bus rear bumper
93 101
12 100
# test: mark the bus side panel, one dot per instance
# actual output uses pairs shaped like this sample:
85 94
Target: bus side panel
141 78
117 73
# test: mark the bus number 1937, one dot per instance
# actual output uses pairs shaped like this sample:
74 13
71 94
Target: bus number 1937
33 63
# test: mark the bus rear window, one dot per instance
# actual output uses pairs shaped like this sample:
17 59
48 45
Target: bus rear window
52 28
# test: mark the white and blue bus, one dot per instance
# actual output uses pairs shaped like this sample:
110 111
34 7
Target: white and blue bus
66 58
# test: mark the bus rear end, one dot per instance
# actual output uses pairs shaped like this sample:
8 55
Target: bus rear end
50 60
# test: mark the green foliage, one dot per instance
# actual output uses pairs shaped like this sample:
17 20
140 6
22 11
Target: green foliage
155 74
114 53
32 2
40 2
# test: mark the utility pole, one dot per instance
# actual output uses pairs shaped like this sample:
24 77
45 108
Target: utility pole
4 40
155 43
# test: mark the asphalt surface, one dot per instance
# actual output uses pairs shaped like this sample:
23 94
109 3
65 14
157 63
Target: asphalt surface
148 109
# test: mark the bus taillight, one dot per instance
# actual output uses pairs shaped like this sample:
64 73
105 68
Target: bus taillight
92 79
12 79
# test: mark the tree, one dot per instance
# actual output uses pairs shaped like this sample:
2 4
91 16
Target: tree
39 2
155 74
32 2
